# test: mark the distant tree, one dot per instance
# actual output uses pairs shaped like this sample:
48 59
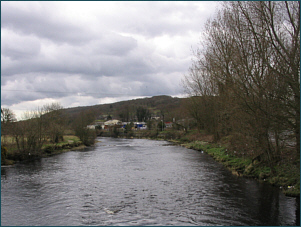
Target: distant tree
143 114
161 125
151 124
128 129
86 135
7 118
55 121
124 113
29 133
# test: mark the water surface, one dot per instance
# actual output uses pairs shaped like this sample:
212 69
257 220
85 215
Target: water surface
137 182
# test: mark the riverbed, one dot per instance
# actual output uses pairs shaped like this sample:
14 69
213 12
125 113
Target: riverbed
137 182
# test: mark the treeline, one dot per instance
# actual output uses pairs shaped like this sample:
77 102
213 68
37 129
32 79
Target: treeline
136 110
38 126
244 82
46 125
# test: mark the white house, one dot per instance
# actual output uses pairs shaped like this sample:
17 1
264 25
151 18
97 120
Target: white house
112 122
91 126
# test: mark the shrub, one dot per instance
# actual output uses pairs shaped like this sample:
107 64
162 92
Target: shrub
3 154
184 140
49 149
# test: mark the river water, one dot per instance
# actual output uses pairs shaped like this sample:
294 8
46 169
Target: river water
137 182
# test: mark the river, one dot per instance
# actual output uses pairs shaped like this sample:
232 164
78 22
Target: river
137 182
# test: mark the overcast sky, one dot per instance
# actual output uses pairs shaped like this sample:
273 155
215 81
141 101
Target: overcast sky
88 53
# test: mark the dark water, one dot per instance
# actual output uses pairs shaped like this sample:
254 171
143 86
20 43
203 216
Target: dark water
137 182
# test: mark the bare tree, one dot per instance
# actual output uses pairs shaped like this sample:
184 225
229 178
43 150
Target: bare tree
250 60
28 134
86 135
54 121
7 117
37 126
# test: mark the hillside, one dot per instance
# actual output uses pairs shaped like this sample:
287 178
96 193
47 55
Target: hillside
126 110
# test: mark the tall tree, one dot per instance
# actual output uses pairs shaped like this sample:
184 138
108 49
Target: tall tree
54 121
143 114
7 117
86 135
250 60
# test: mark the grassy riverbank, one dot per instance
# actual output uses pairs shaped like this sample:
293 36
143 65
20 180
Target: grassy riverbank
9 154
284 175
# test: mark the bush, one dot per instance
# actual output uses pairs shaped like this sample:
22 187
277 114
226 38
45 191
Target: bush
184 140
49 149
3 154
88 138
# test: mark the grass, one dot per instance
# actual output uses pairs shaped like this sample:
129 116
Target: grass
7 139
9 142
48 148
67 140
284 175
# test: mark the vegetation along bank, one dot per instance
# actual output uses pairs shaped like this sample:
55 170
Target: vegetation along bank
285 175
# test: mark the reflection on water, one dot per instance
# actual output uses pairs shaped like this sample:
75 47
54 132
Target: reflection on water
137 182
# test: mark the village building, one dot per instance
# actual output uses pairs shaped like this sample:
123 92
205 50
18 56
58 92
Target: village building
168 124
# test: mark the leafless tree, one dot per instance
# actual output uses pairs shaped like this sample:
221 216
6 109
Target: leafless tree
250 60
86 135
37 126
54 121
7 117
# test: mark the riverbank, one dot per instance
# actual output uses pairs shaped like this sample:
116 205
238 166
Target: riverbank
286 176
10 156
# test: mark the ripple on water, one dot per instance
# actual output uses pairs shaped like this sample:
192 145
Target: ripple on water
137 182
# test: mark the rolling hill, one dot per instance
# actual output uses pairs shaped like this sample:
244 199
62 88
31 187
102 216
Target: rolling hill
126 110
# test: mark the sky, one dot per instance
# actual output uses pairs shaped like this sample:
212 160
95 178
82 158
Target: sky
87 53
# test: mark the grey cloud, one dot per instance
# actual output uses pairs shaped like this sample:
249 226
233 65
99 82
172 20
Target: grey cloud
113 44
96 58
42 22
173 18
105 55
31 87
35 86
17 47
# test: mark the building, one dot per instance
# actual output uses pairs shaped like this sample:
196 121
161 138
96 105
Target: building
112 122
168 124
137 125
91 126
140 125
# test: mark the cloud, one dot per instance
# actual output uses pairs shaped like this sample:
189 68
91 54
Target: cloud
84 53
18 47
44 20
